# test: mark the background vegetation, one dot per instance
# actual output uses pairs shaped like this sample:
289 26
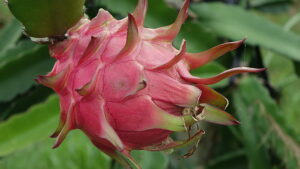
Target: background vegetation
267 104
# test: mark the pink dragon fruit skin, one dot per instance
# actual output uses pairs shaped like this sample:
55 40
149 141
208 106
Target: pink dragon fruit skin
126 87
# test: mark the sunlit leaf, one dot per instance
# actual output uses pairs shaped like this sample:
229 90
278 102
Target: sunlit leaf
19 69
5 14
236 23
27 128
279 77
75 153
9 35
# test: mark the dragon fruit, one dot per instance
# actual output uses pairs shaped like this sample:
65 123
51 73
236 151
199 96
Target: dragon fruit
127 88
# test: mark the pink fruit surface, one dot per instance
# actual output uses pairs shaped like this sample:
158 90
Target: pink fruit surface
126 87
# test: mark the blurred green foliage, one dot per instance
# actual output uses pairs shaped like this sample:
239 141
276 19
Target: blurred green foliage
266 103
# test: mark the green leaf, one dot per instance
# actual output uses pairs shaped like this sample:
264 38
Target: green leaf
148 160
75 153
289 104
47 18
236 23
151 160
5 15
257 157
279 78
18 69
32 126
11 33
23 103
20 47
256 3
263 124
